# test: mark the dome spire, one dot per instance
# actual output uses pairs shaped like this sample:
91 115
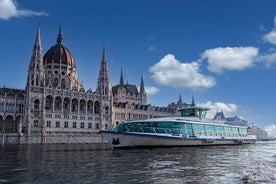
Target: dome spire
59 39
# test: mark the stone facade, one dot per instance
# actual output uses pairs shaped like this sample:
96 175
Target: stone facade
55 107
130 104
11 109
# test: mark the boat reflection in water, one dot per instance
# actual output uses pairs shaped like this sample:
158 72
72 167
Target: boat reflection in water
191 129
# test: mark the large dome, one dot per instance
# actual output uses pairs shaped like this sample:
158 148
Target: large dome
58 54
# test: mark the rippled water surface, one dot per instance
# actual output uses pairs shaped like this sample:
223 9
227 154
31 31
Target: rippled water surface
90 163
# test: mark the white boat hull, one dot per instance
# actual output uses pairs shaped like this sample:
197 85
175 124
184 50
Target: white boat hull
131 139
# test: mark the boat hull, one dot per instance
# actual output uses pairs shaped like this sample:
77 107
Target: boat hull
126 139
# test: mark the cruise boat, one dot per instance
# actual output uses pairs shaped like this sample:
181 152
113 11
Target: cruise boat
190 129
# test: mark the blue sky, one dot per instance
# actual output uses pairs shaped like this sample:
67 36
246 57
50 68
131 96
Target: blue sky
221 52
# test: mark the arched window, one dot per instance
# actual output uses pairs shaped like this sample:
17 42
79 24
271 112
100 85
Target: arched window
82 106
74 105
57 103
37 80
49 103
106 109
97 107
66 104
36 104
89 106
9 125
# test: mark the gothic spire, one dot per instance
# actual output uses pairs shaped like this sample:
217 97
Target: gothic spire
104 55
36 70
103 80
121 79
59 39
36 59
37 45
180 99
142 87
193 101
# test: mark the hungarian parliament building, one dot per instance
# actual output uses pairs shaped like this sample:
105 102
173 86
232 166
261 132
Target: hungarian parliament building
54 107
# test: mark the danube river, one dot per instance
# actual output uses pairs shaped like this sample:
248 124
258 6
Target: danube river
90 163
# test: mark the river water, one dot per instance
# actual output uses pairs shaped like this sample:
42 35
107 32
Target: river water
98 163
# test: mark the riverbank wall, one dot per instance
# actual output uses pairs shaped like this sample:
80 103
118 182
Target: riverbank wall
15 138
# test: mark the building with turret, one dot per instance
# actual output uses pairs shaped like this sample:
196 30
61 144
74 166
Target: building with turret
56 108
130 104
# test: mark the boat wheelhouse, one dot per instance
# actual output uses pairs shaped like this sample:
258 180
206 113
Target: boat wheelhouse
191 129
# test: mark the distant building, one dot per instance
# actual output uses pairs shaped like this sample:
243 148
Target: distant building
260 133
130 104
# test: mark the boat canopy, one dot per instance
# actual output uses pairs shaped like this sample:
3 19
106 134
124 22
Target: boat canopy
193 111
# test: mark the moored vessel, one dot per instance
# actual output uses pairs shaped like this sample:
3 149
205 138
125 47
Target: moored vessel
190 129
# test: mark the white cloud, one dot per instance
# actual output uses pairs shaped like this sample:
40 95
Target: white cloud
230 58
271 36
9 9
269 59
153 49
271 130
228 109
171 72
150 90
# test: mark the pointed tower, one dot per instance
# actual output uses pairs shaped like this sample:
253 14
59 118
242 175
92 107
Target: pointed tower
33 119
36 70
142 87
143 92
121 79
104 86
59 39
180 103
193 101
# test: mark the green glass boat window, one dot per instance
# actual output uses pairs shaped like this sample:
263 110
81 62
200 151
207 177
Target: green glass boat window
243 131
198 129
178 125
123 127
220 130
228 130
187 112
189 129
193 112
210 129
235 130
